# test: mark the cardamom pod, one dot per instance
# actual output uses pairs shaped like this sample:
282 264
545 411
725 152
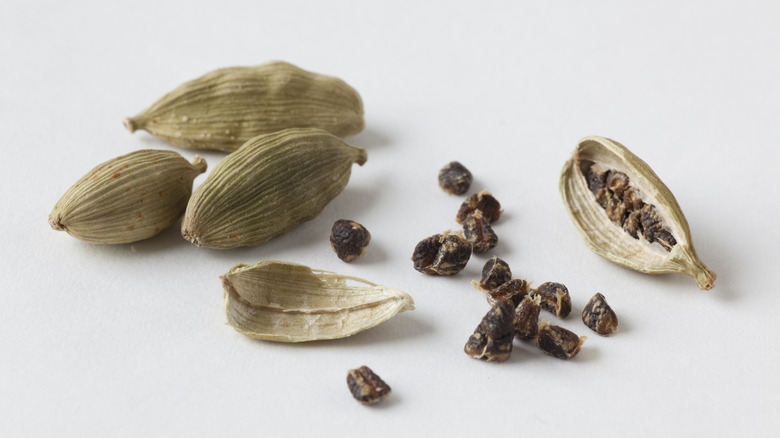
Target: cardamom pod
267 187
288 302
128 198
626 213
226 107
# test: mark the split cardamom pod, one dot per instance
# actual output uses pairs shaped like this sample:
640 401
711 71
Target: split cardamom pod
128 198
288 302
626 213
226 107
267 187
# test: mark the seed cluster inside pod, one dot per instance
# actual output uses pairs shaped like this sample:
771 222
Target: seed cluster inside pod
626 214
624 205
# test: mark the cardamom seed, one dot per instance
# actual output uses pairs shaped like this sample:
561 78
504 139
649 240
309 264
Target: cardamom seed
267 187
228 106
288 302
128 198
626 214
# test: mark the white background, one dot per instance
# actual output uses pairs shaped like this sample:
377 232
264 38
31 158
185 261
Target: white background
131 340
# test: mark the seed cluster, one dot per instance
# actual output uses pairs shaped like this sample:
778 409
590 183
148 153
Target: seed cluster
625 207
449 252
503 292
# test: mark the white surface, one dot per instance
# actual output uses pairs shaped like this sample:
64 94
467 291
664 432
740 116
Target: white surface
131 340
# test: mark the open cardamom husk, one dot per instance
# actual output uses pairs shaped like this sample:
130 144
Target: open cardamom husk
626 213
287 302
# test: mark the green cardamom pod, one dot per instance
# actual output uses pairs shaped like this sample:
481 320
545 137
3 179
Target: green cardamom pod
228 106
268 186
128 198
288 302
626 213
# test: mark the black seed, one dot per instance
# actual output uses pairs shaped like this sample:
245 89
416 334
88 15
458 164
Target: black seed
366 386
441 254
527 317
599 317
482 201
477 230
454 178
349 239
492 339
513 290
557 341
554 298
495 273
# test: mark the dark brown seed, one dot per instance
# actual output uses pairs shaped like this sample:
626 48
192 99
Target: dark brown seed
483 201
631 225
649 217
632 199
513 290
495 273
366 386
557 341
455 179
624 205
477 230
349 239
665 238
599 317
441 254
555 298
597 178
617 182
527 317
492 339
616 210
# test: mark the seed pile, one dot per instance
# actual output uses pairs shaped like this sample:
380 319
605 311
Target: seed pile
476 213
507 293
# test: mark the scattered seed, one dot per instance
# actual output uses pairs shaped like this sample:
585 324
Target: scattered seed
349 239
527 317
366 386
492 339
441 254
477 230
599 317
557 341
495 273
555 298
483 201
513 290
455 179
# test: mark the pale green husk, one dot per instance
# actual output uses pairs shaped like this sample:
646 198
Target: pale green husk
267 187
226 107
610 241
127 199
287 302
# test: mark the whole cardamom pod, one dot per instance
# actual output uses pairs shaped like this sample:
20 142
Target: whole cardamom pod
268 186
626 213
226 107
128 198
